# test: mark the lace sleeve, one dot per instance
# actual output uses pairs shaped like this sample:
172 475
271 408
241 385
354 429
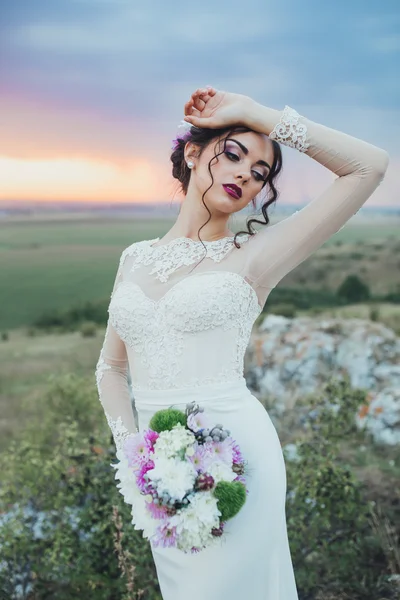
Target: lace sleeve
112 382
290 131
359 167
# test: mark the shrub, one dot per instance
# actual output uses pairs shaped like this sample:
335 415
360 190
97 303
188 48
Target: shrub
374 313
57 498
316 310
88 329
284 310
71 318
5 336
65 531
353 289
329 518
303 298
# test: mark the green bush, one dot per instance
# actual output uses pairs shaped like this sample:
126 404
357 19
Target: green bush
71 318
353 289
88 329
284 310
66 532
5 336
332 542
58 492
315 311
303 298
374 313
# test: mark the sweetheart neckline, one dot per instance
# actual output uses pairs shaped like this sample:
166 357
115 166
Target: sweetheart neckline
156 302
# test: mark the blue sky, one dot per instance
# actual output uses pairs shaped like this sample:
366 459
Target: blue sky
107 79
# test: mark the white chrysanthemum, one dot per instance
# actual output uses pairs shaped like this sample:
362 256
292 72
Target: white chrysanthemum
195 522
170 443
141 518
221 471
174 476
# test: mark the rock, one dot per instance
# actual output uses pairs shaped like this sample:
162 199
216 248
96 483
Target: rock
381 416
289 358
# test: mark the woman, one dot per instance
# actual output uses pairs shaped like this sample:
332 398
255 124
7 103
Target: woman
183 307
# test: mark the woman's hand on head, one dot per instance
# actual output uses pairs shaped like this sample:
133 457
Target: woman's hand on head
212 108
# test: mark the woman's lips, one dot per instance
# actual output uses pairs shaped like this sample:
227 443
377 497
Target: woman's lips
231 192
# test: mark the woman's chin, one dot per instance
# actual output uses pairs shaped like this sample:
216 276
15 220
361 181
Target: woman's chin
225 205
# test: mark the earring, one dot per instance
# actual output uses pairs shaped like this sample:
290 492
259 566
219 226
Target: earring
190 164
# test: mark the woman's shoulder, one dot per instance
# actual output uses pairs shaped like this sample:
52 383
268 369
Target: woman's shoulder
137 248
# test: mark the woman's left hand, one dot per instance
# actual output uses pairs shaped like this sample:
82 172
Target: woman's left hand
212 108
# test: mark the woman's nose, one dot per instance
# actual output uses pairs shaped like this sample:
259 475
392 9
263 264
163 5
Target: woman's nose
243 175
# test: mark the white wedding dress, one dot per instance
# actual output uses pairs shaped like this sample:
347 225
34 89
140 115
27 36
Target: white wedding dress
181 326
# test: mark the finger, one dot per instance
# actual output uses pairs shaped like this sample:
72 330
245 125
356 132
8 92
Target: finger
188 107
198 102
195 113
200 93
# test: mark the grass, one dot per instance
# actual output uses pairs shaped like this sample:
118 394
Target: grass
52 263
26 363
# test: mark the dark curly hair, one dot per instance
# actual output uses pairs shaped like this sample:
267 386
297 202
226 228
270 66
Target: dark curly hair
202 137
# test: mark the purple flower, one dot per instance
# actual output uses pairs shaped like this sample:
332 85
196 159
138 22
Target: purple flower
150 437
165 536
236 453
183 136
140 480
156 511
198 458
136 451
197 422
223 451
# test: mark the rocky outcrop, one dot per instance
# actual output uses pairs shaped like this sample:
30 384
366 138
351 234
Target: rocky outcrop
288 358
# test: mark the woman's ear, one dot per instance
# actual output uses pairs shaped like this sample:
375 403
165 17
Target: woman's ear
191 152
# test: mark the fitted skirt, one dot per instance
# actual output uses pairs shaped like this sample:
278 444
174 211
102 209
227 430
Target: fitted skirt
252 560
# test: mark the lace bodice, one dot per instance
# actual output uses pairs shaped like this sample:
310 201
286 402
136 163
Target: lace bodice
197 332
181 313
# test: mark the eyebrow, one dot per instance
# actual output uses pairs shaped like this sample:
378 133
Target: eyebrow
246 151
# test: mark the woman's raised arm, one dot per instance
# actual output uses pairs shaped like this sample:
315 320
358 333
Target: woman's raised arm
360 167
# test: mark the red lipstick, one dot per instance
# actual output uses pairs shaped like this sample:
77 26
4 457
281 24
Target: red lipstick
233 190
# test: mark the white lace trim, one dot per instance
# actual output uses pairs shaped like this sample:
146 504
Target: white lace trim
182 251
119 431
289 131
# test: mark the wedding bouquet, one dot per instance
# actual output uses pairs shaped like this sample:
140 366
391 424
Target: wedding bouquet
183 479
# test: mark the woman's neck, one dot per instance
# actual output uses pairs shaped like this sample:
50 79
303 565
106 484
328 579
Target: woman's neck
192 218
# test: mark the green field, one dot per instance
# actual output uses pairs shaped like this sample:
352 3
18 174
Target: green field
54 262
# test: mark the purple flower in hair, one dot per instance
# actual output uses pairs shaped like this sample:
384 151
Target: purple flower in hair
184 136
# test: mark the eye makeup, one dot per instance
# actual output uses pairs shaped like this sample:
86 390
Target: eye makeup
233 152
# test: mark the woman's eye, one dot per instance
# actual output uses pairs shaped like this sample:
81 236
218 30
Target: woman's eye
230 154
258 176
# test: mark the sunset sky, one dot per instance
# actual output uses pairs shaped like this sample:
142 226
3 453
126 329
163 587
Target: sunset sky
92 91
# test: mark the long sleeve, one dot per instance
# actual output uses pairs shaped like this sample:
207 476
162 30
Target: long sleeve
360 167
112 382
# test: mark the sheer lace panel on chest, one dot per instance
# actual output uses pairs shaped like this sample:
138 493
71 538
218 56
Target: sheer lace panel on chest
180 252
157 269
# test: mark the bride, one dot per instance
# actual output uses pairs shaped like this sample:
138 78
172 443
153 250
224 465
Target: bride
182 310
